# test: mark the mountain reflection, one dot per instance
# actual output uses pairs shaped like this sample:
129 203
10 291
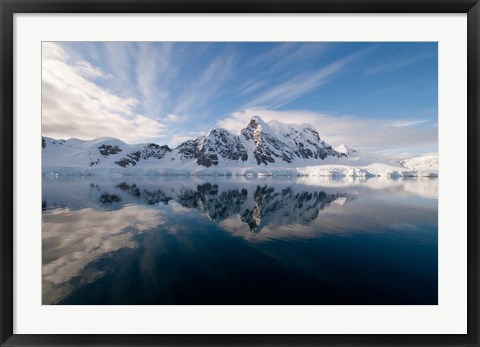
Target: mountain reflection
257 206
167 233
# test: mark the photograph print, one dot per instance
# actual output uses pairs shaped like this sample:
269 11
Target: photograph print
239 173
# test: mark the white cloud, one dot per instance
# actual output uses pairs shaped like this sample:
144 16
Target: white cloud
288 53
119 60
75 106
89 71
250 87
208 85
285 92
408 123
177 139
52 51
175 118
398 64
370 134
273 54
152 71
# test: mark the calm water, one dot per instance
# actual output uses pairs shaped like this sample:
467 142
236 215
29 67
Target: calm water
179 240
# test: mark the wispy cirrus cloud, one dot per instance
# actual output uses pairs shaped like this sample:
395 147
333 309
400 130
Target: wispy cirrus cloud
120 59
153 73
400 63
275 53
74 105
208 85
408 123
251 86
284 92
176 118
89 71
283 55
164 92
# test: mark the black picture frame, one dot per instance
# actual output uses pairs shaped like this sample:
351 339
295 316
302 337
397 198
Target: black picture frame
7 10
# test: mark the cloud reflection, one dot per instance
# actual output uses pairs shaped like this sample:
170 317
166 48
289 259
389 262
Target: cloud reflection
73 239
88 228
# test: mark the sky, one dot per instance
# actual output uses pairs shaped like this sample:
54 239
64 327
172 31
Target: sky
375 96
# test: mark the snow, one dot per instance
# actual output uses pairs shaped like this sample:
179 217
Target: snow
78 157
426 162
344 149
372 170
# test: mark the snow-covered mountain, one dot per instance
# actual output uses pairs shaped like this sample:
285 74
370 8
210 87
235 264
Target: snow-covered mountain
259 144
276 141
261 148
99 153
424 163
350 152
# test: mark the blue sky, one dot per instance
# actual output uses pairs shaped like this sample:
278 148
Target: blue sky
376 96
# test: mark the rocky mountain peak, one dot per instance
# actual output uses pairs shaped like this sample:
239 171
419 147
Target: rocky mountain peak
259 143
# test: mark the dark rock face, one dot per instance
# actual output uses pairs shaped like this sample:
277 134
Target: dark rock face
269 147
207 160
192 149
151 150
220 142
207 150
107 150
187 149
226 145
259 143
306 144
320 149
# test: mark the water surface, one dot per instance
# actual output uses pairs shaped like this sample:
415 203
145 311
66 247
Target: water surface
237 240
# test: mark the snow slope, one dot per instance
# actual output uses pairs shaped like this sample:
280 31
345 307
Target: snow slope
262 148
426 162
